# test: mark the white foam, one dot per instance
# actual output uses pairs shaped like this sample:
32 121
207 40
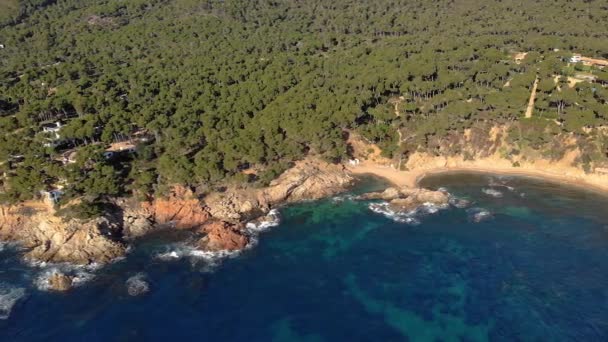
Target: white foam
211 259
9 296
479 214
80 274
272 219
383 208
492 192
137 285
342 198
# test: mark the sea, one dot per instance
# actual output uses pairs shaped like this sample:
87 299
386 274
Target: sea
509 259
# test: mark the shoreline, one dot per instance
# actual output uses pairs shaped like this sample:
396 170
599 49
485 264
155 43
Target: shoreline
412 178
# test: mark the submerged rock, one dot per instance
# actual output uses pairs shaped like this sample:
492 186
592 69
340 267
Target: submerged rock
137 285
60 282
407 199
9 296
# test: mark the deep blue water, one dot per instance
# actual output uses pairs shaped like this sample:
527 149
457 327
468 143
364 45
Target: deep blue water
535 269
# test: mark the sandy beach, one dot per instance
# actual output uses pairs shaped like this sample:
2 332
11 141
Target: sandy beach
557 173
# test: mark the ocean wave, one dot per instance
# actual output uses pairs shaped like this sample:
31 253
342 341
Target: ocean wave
9 296
342 198
492 192
500 183
80 274
210 259
272 219
383 208
137 285
479 214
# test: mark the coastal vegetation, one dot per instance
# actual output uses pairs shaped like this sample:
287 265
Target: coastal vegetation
108 98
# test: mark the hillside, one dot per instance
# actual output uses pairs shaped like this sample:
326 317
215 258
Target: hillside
108 98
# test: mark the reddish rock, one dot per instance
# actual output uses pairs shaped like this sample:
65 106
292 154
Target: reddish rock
222 235
181 209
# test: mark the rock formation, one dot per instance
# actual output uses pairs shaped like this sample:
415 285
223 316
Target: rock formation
49 238
223 236
60 282
407 199
308 180
180 209
219 217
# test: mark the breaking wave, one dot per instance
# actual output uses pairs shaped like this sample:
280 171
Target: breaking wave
383 208
209 259
411 217
80 274
342 198
272 219
9 296
479 214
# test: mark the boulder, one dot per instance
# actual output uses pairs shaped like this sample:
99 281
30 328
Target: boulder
407 199
60 282
223 236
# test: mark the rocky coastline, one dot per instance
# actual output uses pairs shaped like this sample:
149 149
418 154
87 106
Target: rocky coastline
218 220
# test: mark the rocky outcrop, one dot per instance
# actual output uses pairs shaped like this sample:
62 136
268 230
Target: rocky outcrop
223 236
181 209
407 199
49 238
308 180
60 282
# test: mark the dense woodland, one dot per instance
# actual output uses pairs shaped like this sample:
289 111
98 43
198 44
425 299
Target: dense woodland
207 89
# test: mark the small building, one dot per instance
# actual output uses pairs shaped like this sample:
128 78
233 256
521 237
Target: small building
120 147
1 46
575 58
51 130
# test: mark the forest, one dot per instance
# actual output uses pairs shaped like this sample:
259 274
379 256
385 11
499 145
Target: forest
115 97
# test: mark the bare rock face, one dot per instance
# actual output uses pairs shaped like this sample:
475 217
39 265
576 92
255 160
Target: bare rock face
236 205
407 199
308 180
181 209
223 236
60 282
51 239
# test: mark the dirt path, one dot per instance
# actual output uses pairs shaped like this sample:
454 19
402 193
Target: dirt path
530 108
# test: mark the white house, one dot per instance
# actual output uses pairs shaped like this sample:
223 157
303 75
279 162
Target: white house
575 58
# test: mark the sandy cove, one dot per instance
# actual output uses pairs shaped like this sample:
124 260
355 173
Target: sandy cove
422 165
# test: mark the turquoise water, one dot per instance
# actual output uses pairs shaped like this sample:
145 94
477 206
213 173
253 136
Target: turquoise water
532 267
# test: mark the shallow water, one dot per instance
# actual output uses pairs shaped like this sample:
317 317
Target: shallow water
534 268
